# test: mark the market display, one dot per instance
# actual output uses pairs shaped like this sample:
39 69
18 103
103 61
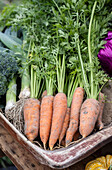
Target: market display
51 54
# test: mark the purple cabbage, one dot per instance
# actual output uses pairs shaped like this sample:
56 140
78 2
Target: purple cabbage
105 55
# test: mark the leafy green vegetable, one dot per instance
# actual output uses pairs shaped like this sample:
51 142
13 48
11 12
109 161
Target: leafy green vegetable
11 41
8 67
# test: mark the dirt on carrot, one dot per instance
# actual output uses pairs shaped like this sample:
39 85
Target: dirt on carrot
59 112
88 116
31 118
46 112
74 114
44 93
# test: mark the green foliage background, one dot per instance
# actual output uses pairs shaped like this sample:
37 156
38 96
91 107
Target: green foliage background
5 161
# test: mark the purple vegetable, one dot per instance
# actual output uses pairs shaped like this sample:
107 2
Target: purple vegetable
105 55
109 37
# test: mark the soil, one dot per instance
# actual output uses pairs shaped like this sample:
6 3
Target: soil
107 113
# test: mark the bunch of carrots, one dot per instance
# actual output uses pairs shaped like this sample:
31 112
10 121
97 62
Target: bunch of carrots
58 120
74 109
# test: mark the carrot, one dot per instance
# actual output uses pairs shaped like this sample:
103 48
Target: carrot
60 108
101 99
76 136
31 118
65 125
60 101
71 85
88 116
45 118
44 93
74 114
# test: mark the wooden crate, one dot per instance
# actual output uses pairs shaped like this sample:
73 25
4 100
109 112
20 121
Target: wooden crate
26 155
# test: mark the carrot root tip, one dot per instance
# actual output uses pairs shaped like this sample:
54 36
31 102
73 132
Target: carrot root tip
51 148
84 136
44 146
101 127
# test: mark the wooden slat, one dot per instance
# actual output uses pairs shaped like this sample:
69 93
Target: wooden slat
22 158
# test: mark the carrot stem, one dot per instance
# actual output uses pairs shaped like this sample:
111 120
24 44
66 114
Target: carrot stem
36 78
61 73
57 7
32 93
49 85
73 84
89 51
86 85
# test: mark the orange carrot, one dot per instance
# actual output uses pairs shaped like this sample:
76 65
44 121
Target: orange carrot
31 118
46 112
59 111
76 136
88 116
65 125
74 114
101 100
44 93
